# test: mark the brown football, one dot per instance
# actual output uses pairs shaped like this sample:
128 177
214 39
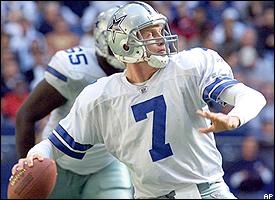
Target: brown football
36 182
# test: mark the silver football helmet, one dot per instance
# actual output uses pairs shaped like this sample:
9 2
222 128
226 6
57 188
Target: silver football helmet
100 34
126 42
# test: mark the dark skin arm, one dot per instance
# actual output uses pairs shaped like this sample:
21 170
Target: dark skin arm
42 100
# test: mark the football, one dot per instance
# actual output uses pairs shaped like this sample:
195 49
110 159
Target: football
35 182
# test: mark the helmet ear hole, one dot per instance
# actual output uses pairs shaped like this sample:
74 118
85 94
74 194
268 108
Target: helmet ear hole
126 47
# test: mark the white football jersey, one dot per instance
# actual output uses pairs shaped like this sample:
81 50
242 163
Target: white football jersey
153 128
69 71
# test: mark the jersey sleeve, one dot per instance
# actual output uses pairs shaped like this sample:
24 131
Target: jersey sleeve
215 75
79 130
65 75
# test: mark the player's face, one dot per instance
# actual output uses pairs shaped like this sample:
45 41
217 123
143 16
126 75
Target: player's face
153 32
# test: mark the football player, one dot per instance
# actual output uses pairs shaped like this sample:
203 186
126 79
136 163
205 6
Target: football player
99 174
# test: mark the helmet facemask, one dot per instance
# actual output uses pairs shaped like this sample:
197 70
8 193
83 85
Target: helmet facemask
157 59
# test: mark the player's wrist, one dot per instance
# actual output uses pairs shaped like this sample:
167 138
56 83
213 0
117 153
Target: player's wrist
235 121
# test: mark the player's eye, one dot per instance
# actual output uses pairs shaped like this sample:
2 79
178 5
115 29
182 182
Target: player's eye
157 33
148 35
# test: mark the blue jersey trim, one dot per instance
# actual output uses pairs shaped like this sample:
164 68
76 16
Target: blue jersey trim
70 141
56 73
59 145
221 87
210 87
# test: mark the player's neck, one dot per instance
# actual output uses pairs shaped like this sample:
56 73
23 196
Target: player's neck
139 72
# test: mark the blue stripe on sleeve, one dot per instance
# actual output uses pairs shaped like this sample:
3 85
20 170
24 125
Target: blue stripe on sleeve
56 73
208 89
70 141
58 144
221 87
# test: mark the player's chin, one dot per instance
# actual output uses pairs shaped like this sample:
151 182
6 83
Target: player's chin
162 52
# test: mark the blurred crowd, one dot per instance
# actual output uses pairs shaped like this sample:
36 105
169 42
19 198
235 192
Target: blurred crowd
242 32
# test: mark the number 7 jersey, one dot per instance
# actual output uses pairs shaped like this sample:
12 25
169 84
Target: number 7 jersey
153 128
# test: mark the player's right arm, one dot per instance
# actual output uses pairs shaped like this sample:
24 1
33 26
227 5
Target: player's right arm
74 134
42 100
81 128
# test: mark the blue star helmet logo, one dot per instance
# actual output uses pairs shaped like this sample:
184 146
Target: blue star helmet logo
115 26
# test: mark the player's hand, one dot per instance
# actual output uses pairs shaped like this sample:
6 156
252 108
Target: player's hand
220 122
25 161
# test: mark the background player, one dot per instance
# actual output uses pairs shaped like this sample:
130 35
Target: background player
69 71
147 116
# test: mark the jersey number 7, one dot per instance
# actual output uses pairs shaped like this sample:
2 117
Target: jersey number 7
159 150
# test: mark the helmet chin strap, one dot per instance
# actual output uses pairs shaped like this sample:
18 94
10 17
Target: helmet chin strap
157 61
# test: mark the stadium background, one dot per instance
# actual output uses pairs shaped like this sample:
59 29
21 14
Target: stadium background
241 31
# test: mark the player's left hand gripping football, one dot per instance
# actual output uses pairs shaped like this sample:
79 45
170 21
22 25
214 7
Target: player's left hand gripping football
220 122
26 161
